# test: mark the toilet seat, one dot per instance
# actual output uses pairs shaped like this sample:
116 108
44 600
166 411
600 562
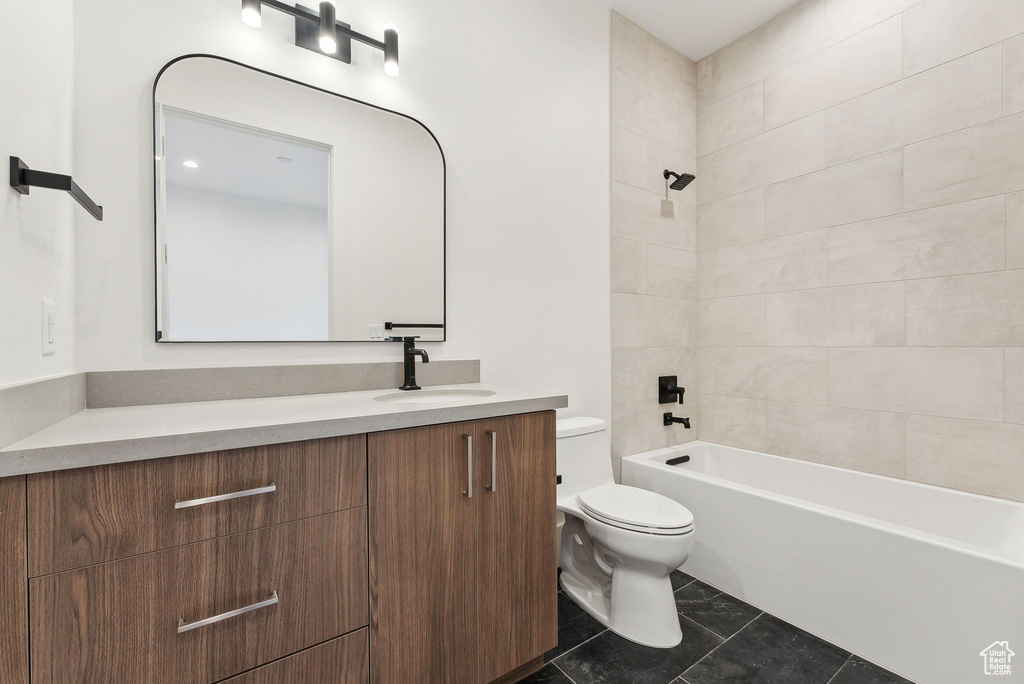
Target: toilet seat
636 509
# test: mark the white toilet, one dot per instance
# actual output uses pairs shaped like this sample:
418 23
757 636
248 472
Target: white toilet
618 543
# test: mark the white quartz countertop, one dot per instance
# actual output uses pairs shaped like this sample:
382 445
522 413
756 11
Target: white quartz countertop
135 433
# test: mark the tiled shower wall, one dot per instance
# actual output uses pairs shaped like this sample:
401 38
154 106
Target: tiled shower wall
861 241
654 260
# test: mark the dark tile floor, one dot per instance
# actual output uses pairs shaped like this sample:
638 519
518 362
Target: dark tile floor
724 640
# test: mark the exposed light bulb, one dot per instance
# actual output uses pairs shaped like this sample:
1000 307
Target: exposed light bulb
252 14
328 30
391 50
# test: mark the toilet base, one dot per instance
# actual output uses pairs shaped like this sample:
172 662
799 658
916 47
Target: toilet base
642 618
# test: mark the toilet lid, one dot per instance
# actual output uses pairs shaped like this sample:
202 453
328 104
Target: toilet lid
635 507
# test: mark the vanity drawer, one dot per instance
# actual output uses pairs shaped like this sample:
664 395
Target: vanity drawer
266 594
92 515
345 660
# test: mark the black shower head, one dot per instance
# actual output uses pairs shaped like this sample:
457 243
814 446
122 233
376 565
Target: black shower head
681 180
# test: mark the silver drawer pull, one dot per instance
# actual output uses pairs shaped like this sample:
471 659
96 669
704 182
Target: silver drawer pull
189 626
226 497
468 492
494 460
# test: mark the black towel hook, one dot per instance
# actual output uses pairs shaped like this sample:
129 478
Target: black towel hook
23 178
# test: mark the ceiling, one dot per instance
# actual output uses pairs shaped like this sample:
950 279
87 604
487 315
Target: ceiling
243 161
698 28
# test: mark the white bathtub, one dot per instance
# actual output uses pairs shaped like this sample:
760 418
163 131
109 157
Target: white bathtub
915 578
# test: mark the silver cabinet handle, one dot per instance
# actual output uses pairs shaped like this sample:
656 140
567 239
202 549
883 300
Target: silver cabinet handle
494 460
468 492
226 497
189 626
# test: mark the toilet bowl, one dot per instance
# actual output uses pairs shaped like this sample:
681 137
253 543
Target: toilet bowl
618 543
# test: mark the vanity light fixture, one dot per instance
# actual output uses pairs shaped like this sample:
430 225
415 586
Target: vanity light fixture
323 33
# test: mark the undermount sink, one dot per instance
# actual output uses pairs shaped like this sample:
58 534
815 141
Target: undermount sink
434 396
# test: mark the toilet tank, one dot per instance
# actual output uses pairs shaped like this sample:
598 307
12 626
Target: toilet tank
583 454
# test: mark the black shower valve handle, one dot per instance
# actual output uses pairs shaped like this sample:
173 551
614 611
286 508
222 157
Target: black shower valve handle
669 390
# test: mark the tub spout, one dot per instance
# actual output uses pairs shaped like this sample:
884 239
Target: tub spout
669 420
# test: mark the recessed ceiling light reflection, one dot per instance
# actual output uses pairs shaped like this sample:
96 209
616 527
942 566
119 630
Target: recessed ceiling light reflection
189 164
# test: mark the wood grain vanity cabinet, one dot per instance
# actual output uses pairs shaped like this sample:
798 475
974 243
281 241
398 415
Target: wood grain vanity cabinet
462 552
418 555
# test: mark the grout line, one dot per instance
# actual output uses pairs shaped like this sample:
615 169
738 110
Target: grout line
706 629
845 663
561 655
566 674
708 654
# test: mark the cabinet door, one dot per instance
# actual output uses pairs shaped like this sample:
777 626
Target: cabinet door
13 583
517 566
422 556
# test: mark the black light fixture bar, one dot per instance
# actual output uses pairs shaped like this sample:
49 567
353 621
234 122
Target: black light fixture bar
23 178
389 46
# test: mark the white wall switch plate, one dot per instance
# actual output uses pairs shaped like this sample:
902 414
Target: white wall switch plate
376 331
49 328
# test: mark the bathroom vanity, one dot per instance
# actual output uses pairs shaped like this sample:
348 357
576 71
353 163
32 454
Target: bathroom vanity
419 554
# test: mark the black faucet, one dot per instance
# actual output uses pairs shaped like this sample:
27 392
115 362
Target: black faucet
409 353
669 421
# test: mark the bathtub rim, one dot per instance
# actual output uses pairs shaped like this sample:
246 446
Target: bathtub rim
646 458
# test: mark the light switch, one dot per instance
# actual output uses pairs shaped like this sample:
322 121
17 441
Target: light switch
49 328
376 331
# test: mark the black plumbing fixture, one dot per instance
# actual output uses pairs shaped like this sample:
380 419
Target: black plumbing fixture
678 460
681 179
409 353
669 390
669 421
23 178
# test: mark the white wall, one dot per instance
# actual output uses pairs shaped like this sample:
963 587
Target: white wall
516 92
36 235
245 269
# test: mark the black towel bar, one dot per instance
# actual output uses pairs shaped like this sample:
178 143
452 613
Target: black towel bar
23 178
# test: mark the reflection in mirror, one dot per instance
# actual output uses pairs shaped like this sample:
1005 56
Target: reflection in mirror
285 213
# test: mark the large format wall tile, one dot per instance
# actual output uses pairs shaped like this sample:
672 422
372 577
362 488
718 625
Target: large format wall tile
871 441
976 162
705 275
778 155
629 48
705 182
1014 358
938 381
637 427
635 371
671 272
863 63
642 109
733 421
782 41
780 373
791 262
731 119
946 99
629 266
984 310
645 321
852 192
862 315
636 214
940 30
1014 230
731 221
629 157
1013 76
844 18
950 240
968 455
672 73
732 321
